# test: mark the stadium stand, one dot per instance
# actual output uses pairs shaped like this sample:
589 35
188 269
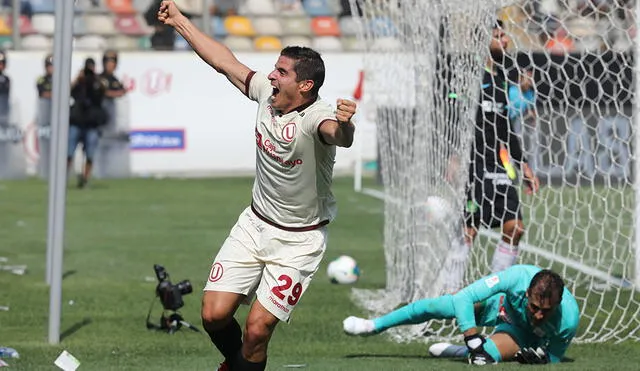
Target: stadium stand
261 25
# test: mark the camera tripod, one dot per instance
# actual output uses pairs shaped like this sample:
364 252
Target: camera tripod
174 322
171 323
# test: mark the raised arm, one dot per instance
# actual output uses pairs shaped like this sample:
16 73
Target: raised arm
339 131
215 54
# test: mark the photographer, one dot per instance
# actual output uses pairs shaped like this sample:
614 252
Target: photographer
86 116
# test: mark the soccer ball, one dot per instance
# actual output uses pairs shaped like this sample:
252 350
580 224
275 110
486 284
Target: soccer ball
343 270
438 210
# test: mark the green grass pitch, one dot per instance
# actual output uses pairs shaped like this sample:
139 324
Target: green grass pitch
118 229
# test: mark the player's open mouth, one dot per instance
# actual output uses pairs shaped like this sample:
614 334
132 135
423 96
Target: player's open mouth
275 91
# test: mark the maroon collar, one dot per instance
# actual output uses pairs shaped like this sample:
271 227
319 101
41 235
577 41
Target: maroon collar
301 107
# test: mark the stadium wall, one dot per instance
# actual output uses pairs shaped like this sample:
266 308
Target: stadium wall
184 118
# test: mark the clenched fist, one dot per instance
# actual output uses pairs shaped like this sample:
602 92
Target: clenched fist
345 110
169 13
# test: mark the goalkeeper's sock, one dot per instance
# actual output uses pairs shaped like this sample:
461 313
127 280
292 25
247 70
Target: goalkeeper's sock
417 312
446 350
504 256
455 265
242 364
228 339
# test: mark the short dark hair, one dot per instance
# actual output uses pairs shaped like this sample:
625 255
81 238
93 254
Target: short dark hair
498 24
308 65
547 285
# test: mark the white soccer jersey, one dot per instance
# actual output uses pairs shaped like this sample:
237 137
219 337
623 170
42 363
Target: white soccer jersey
293 166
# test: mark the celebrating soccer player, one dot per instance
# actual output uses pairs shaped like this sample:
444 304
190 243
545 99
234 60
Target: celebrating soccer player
534 317
492 196
278 242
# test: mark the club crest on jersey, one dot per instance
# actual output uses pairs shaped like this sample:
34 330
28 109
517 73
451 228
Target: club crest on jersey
289 132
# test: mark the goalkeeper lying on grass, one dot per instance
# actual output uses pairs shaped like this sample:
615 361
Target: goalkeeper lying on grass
534 315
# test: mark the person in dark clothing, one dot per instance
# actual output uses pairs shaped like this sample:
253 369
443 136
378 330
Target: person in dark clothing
5 90
45 82
163 37
86 117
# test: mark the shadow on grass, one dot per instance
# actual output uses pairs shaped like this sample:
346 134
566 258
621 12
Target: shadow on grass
75 328
402 356
69 273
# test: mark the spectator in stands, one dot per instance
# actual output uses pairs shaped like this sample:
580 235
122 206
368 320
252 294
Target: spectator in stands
223 8
163 37
45 82
86 116
560 43
25 7
5 90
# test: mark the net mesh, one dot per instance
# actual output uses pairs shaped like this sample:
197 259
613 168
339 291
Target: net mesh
576 127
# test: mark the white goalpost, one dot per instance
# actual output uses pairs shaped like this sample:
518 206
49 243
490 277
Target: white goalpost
579 130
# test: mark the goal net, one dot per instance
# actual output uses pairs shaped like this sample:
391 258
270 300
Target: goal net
424 62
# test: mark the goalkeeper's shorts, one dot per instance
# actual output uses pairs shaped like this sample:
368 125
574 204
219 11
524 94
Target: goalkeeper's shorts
492 201
494 315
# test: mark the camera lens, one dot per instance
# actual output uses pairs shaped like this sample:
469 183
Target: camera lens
185 287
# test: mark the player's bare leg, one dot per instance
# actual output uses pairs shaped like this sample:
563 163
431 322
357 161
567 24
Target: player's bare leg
218 309
507 249
258 331
505 344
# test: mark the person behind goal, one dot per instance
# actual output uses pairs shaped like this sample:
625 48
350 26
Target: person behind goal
492 195
278 242
534 316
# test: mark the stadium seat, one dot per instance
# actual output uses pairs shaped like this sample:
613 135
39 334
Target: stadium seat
296 26
238 43
130 25
144 43
100 24
122 42
26 28
5 27
348 26
382 27
79 28
327 44
267 26
239 26
36 42
90 42
317 8
257 7
121 6
43 23
42 6
6 42
325 26
296 41
141 6
267 43
217 27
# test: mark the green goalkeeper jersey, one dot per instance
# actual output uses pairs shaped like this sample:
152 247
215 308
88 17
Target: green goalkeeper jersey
555 334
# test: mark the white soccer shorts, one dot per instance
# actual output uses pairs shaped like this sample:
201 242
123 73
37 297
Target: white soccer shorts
274 265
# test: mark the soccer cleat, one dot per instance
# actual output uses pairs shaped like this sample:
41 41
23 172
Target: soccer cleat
447 350
224 366
358 326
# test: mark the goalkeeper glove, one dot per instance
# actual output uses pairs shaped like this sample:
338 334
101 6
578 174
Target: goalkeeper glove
531 356
477 354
